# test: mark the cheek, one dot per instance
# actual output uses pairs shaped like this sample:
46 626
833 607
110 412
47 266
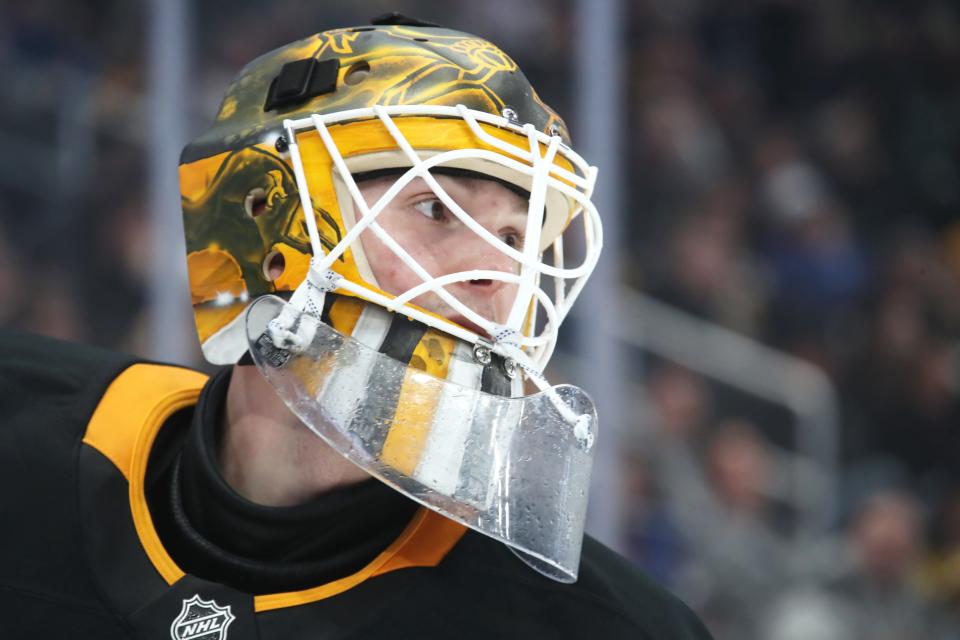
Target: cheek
505 297
396 278
392 274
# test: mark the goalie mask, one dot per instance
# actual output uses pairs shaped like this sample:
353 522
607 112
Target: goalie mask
401 318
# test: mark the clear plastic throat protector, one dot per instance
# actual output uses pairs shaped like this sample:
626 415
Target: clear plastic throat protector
514 469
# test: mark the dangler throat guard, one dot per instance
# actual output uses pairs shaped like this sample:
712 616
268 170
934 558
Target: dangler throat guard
439 419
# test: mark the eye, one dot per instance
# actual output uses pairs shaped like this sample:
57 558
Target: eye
512 239
433 209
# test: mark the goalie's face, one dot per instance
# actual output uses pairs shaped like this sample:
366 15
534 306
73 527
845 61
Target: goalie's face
442 244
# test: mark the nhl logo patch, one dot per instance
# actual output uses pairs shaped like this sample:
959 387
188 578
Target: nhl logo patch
201 620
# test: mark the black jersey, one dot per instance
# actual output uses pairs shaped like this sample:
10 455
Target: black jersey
81 557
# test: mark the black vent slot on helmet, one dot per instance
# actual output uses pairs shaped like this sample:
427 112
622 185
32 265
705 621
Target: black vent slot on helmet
394 18
300 80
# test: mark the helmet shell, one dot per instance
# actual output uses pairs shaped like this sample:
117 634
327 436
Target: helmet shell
404 65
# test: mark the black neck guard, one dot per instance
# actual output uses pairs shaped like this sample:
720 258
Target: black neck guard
214 533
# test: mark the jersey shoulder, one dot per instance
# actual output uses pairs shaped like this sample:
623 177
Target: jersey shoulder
50 384
620 584
48 391
611 598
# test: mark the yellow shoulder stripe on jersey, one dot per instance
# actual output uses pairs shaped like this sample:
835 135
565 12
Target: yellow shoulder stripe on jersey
124 427
142 393
424 543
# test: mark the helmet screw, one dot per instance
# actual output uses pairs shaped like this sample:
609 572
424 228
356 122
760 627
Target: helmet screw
481 354
282 145
510 114
554 129
510 368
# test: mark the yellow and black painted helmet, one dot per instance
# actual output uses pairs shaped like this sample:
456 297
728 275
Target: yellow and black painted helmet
246 234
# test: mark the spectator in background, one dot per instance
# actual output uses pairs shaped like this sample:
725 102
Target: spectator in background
816 267
743 562
652 537
677 404
921 427
878 587
900 388
876 593
717 499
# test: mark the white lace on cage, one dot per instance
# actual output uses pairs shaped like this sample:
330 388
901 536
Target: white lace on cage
531 352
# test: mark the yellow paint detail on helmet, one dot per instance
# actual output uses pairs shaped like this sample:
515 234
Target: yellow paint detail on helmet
228 108
196 177
211 319
528 327
485 55
339 41
296 265
417 402
423 133
213 273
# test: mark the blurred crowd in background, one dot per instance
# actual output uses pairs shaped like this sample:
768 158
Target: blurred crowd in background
794 175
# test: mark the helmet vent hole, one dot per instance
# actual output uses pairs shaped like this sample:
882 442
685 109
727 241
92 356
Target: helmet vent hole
274 265
422 39
357 72
255 203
